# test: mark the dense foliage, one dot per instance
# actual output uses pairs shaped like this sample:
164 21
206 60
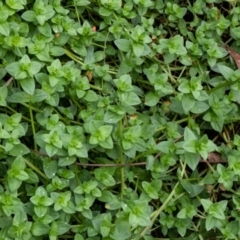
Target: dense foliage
118 119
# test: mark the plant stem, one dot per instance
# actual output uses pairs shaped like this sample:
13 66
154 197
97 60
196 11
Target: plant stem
158 212
28 106
33 128
226 84
29 164
121 161
73 57
76 10
12 110
94 87
164 205
178 121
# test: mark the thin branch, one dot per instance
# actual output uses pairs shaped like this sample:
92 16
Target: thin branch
8 81
110 164
212 158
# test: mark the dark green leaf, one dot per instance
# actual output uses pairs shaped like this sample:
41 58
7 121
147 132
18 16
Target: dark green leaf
18 97
225 71
28 85
123 44
19 149
192 159
192 189
199 107
39 229
49 167
152 98
62 227
39 95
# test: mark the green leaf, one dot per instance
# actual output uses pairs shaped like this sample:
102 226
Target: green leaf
200 107
22 175
217 125
176 106
57 51
219 214
3 95
19 149
101 134
138 49
99 56
125 67
89 59
66 161
206 204
33 178
217 209
108 143
39 96
61 39
124 83
227 72
123 44
5 29
191 146
235 32
28 85
45 30
19 163
4 134
49 167
189 135
86 187
192 159
82 152
192 189
139 214
34 68
150 162
112 202
122 230
15 4
40 211
126 144
150 190
62 227
165 146
53 232
40 229
111 117
15 70
82 3
104 177
129 98
78 237
151 99
182 214
211 222
104 12
105 130
13 184
18 97
187 102
91 96
29 16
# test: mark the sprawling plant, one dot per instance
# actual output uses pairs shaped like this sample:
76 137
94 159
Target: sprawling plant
118 119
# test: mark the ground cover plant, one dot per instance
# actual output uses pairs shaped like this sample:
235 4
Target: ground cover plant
119 119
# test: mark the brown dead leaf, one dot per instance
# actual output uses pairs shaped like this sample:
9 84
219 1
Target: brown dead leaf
214 157
89 75
234 55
